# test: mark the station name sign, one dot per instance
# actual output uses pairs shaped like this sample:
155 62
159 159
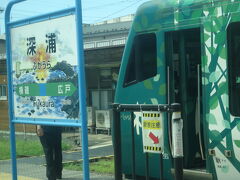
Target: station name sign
45 69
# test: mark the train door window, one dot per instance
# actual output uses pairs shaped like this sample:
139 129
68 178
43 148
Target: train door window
142 62
233 39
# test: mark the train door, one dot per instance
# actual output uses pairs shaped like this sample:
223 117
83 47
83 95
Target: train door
183 56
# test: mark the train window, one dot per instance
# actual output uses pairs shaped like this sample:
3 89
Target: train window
233 39
3 92
142 62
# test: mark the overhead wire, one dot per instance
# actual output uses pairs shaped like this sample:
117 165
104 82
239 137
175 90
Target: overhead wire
18 13
116 12
109 16
106 5
50 3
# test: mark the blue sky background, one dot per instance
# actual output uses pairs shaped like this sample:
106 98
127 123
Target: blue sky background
93 10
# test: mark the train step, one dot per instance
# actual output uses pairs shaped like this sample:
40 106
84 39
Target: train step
195 174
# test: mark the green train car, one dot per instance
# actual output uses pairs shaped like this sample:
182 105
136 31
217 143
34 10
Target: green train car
185 51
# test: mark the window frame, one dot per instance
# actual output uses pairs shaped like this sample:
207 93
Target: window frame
137 64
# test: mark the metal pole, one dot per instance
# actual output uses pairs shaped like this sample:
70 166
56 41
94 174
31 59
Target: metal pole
133 146
24 131
13 151
82 89
161 166
178 168
147 166
177 126
10 95
117 144
142 107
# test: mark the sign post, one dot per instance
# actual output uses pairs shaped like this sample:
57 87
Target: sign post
82 89
46 73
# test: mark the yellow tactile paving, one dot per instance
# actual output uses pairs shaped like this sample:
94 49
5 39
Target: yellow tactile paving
5 176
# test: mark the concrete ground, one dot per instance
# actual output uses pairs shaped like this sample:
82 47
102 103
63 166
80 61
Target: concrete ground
32 168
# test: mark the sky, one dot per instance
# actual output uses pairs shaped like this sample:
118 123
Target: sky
93 11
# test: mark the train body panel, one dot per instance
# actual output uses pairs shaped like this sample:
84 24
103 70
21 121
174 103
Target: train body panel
186 52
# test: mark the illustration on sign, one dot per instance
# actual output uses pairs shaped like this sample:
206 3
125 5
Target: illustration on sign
44 63
152 131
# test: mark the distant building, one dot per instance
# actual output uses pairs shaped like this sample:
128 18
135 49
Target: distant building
3 86
3 69
103 47
4 120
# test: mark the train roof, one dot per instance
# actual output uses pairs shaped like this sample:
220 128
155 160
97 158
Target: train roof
166 4
159 14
